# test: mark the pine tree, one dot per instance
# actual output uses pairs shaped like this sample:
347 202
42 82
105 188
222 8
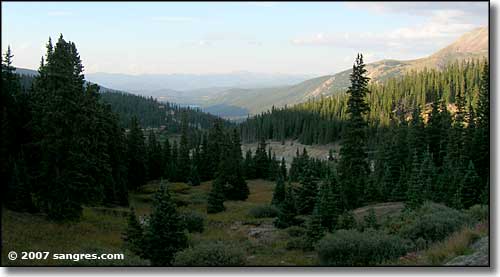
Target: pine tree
327 207
261 160
283 169
307 193
279 192
174 172
194 177
248 166
164 235
134 234
136 154
470 188
183 161
167 160
19 189
216 197
415 184
154 157
371 220
288 211
482 134
314 231
238 188
353 168
346 221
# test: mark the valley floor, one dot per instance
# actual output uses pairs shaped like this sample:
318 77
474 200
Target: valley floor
101 229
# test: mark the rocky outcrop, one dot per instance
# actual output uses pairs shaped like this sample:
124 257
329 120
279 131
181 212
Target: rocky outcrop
480 257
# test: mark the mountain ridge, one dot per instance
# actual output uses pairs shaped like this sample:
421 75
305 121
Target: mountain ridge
471 45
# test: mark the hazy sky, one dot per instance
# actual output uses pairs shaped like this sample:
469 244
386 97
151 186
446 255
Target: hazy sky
274 37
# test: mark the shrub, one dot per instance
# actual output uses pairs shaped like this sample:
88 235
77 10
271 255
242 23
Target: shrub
347 221
296 231
478 212
354 248
300 243
263 211
211 254
193 221
433 222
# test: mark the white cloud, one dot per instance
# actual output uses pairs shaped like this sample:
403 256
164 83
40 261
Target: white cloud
440 28
173 18
421 8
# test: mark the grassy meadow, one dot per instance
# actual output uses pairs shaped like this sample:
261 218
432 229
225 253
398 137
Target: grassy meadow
100 231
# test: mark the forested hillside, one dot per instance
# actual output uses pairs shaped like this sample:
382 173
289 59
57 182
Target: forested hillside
152 113
321 121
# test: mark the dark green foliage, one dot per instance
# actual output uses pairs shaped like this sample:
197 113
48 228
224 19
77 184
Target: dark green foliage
352 167
370 220
288 210
164 235
432 222
214 253
154 114
347 221
232 166
415 184
441 116
306 198
299 243
264 211
279 192
470 186
314 231
136 155
354 248
73 132
183 161
216 197
19 189
249 166
328 204
261 160
194 177
282 169
296 231
478 212
154 157
193 221
134 235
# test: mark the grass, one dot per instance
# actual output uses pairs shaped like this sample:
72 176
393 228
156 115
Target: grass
439 253
100 229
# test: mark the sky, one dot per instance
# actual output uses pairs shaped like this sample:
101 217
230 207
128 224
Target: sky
312 38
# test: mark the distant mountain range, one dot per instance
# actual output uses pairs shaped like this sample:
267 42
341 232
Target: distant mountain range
235 95
471 45
189 82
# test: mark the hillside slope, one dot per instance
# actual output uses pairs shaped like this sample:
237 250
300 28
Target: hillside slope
471 45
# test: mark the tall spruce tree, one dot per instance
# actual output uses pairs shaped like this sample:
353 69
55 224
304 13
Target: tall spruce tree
183 161
352 167
136 155
261 160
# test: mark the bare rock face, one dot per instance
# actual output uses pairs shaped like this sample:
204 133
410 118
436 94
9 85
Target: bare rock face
480 257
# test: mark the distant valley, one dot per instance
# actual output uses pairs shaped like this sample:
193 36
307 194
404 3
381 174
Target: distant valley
239 94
